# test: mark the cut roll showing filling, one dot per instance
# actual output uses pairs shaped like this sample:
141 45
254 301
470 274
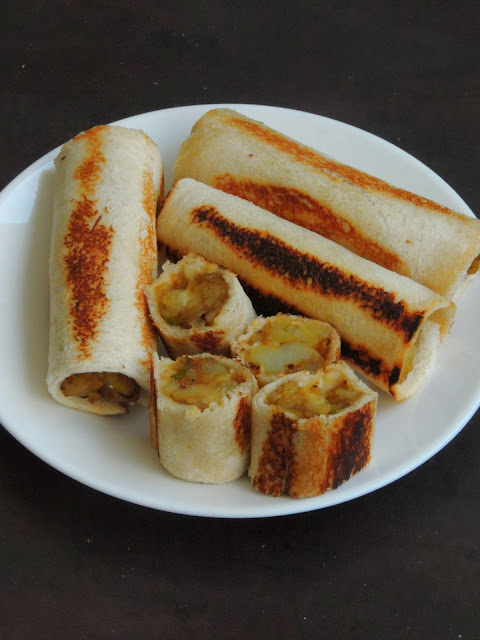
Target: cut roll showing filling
285 343
198 306
311 432
108 182
203 417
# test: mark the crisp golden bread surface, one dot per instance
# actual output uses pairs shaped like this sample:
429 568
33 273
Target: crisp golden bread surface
300 208
298 268
316 160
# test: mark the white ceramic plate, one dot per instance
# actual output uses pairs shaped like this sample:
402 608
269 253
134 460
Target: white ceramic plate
113 455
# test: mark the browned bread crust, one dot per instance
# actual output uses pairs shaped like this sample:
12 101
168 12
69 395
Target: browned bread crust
305 458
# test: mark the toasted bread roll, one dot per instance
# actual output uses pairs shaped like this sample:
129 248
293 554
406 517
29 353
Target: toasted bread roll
311 432
203 417
396 229
198 306
285 343
389 325
108 181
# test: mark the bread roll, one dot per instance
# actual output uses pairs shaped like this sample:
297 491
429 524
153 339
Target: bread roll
311 432
108 181
198 306
203 417
389 325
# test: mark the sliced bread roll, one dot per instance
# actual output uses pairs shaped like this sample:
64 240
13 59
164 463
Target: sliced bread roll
198 306
203 417
311 432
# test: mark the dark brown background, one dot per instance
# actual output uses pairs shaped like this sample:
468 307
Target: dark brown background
400 563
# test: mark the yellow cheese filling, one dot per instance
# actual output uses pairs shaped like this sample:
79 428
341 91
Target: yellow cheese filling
286 344
201 381
109 386
194 296
329 396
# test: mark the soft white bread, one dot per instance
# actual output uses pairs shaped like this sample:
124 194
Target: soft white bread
378 314
311 432
203 417
198 306
108 181
397 229
278 345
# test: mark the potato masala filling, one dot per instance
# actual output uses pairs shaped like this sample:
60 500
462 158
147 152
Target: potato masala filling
109 386
285 345
193 296
201 381
329 395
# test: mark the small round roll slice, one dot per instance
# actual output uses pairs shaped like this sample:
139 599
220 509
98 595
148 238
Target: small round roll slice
285 343
198 306
311 432
203 417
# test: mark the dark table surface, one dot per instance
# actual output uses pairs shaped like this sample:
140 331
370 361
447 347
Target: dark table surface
402 562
